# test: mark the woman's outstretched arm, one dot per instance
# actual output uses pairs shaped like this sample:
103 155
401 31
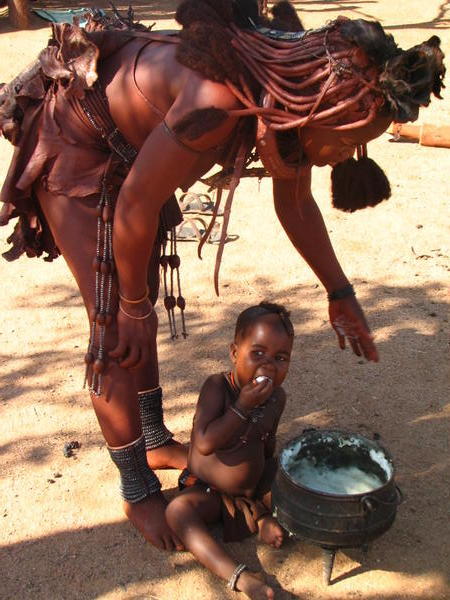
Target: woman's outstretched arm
303 222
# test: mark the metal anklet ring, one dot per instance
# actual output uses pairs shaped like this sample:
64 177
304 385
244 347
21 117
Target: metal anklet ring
235 576
133 316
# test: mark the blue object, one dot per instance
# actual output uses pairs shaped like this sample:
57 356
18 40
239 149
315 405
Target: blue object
68 15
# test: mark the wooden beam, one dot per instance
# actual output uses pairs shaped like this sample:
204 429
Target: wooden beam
19 13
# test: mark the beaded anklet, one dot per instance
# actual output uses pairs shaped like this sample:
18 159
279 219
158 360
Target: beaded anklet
152 418
137 480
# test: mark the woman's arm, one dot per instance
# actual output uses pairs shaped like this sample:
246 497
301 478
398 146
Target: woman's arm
302 220
161 166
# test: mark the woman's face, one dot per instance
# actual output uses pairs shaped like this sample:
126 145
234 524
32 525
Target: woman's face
328 147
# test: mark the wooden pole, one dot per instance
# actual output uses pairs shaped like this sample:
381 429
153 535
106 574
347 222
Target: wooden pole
426 135
19 13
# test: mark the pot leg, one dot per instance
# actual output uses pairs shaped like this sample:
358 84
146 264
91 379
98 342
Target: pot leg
328 555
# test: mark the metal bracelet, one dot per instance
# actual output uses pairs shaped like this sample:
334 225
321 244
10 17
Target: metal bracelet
133 317
138 301
238 413
235 576
152 418
137 480
341 293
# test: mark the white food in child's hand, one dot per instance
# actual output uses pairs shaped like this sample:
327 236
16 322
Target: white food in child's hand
262 378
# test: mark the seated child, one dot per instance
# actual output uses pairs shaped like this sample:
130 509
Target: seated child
231 462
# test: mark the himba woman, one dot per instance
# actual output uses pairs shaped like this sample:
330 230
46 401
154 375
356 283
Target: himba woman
109 123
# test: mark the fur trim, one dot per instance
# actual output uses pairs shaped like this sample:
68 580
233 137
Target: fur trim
356 184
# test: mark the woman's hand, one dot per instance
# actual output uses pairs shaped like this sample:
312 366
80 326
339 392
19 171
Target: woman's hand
254 394
136 335
348 321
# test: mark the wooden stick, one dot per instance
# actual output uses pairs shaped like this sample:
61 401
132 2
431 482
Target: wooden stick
425 134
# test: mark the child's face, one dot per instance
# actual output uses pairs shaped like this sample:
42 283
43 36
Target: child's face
265 349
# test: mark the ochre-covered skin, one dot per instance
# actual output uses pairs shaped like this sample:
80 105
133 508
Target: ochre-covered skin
55 180
171 91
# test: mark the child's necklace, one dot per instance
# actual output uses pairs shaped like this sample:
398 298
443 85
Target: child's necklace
233 384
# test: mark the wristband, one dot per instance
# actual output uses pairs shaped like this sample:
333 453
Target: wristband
341 293
238 413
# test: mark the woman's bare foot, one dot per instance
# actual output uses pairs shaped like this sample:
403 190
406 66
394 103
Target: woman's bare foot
254 587
270 531
171 455
148 516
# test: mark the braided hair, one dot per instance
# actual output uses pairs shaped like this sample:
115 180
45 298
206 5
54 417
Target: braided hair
340 76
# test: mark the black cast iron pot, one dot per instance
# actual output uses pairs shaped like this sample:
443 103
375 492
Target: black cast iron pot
335 520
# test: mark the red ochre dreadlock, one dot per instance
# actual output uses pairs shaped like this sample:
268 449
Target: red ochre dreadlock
341 77
338 76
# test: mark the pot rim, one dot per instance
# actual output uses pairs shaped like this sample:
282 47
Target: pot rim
345 497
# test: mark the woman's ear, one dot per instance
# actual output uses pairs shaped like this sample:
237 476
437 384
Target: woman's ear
233 352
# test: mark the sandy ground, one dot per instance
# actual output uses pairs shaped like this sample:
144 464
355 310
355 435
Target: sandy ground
63 535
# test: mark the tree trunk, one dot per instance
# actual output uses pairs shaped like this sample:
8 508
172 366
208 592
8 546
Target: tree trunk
19 13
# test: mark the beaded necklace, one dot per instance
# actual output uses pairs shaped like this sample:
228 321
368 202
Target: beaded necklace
95 108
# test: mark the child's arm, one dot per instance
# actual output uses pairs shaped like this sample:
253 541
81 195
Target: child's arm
270 443
214 426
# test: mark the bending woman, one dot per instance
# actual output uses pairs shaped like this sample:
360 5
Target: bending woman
109 123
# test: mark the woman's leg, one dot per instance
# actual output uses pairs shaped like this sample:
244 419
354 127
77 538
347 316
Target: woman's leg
74 226
162 451
189 516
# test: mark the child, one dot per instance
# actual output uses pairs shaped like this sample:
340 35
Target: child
231 464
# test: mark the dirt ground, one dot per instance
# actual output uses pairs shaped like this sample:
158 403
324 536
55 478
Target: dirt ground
63 535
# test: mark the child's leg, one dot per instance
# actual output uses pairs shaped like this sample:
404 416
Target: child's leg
188 515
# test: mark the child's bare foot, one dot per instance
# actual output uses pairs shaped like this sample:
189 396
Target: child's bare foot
171 455
270 531
254 587
148 516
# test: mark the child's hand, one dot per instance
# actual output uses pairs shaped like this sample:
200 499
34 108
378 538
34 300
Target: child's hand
253 394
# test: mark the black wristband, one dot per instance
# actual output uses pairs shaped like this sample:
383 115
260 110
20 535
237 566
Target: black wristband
341 293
